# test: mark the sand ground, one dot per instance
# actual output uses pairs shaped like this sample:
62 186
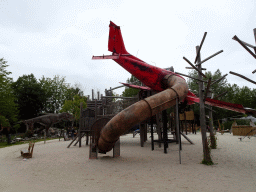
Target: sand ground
54 167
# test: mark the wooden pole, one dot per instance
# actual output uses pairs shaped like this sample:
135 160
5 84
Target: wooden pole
218 80
165 134
152 133
142 132
80 125
213 140
45 136
199 48
233 73
177 127
254 33
199 71
92 94
244 46
206 152
209 58
190 77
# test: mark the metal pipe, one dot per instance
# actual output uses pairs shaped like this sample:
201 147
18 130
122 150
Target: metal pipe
140 111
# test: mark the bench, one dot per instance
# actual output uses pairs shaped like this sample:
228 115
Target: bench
27 153
225 131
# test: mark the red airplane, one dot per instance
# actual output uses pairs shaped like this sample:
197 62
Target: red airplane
151 76
169 85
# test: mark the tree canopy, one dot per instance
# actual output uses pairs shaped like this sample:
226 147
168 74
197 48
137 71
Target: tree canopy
30 96
8 109
73 106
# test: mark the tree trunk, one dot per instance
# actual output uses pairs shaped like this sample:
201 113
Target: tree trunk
206 151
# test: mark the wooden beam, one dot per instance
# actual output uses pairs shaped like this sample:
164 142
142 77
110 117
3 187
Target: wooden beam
115 88
210 108
209 57
220 94
218 79
191 77
194 67
199 49
244 46
254 32
119 97
239 75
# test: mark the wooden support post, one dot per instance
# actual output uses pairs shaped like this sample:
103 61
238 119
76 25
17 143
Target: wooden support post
44 136
159 128
93 153
176 123
78 139
152 133
87 137
116 149
142 132
165 134
178 138
92 94
207 156
186 127
254 33
80 125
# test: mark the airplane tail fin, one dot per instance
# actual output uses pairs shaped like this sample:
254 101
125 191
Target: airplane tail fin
115 40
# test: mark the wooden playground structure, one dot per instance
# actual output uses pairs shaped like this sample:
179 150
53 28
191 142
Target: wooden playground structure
158 94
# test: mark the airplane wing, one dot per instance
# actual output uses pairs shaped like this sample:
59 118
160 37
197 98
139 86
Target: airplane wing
136 86
222 104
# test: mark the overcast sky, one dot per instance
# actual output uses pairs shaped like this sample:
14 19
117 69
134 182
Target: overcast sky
59 37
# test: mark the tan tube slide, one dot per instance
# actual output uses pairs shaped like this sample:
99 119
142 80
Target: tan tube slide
140 111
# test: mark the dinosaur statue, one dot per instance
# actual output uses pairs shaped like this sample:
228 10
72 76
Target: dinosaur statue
47 120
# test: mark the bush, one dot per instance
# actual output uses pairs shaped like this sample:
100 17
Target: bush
227 125
243 122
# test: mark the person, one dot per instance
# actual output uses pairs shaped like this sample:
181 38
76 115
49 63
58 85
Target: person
72 133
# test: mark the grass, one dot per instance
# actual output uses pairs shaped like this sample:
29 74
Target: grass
4 144
207 162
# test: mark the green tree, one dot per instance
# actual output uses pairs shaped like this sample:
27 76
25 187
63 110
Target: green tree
72 91
30 96
8 109
73 106
57 91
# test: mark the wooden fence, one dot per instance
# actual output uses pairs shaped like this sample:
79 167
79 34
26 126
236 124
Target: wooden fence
242 130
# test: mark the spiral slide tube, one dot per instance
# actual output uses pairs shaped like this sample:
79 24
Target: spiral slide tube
141 110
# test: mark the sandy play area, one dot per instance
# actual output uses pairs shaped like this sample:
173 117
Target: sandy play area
54 167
